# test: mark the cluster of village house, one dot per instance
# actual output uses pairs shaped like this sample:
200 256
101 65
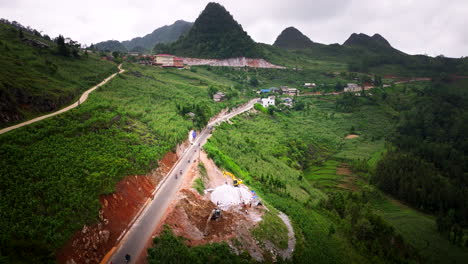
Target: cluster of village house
167 60
283 90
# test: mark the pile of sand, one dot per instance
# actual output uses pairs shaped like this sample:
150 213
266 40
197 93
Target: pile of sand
227 195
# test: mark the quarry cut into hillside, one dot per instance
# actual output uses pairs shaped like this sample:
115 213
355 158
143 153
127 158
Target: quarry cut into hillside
189 216
232 62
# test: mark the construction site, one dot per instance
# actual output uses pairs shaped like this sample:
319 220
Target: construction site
225 211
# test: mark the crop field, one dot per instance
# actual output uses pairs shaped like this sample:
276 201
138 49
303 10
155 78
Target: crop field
296 154
53 171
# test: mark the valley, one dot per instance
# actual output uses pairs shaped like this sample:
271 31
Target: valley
197 144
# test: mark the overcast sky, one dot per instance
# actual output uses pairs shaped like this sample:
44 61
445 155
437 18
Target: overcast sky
430 27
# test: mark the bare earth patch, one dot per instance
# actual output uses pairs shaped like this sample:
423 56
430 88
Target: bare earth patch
90 244
188 216
93 242
351 136
349 180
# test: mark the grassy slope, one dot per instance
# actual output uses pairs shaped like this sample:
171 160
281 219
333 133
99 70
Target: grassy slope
420 230
254 147
325 127
28 72
293 59
53 171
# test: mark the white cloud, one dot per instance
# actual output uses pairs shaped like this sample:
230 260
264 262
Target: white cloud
414 26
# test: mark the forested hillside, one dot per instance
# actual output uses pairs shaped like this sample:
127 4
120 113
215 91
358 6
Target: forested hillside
145 44
39 75
54 171
429 166
110 46
165 34
215 34
291 38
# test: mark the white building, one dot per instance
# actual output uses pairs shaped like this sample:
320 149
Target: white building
352 87
310 85
219 96
268 101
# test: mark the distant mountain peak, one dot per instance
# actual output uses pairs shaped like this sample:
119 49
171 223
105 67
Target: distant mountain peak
364 40
216 34
164 34
292 38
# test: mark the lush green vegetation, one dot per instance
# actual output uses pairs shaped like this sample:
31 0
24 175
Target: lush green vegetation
283 158
199 183
168 248
54 171
215 34
420 230
291 38
39 75
273 229
267 78
429 165
291 157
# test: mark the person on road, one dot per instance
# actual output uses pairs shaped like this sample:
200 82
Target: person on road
180 172
127 258
176 176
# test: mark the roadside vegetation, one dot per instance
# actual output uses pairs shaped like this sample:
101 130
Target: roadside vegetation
169 248
199 183
37 79
54 171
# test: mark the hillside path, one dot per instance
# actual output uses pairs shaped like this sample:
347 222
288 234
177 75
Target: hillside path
82 99
288 252
134 239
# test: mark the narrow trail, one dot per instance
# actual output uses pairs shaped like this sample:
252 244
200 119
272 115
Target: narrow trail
287 253
82 99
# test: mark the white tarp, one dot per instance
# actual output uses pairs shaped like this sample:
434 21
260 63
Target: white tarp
227 195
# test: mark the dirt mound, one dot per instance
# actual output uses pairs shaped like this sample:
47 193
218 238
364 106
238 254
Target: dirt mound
189 218
90 244
196 210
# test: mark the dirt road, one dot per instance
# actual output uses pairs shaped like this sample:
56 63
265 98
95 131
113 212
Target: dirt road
82 99
134 240
288 252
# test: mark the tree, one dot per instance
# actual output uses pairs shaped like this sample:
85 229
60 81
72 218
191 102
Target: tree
61 46
339 87
377 80
254 81
20 34
211 91
116 54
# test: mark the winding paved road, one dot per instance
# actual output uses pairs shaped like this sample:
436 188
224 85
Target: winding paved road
82 99
134 240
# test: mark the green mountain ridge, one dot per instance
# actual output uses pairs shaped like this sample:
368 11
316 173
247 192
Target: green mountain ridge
292 38
165 34
215 34
110 45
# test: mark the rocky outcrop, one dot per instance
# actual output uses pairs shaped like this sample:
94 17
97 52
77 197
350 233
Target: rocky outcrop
232 62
